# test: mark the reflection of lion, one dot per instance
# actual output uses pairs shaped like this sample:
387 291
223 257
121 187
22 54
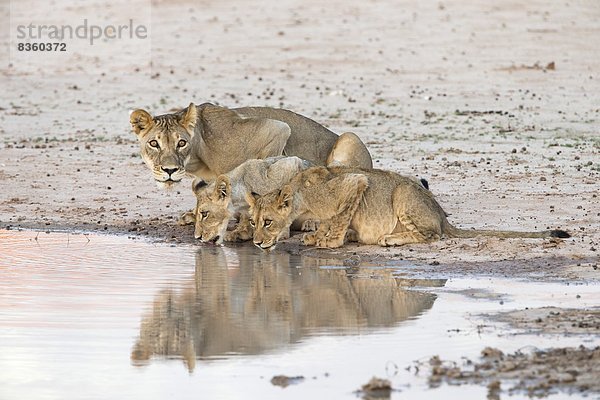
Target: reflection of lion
382 207
209 140
242 302
224 199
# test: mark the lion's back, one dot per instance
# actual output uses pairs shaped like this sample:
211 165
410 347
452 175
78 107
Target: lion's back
309 140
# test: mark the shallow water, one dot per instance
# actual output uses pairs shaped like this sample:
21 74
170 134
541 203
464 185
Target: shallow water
100 317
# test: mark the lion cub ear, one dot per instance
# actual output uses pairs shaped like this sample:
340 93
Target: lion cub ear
140 121
198 184
284 199
251 198
189 118
222 187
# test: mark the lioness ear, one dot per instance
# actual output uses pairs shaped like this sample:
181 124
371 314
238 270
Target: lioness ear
198 184
251 198
222 187
189 118
140 121
285 196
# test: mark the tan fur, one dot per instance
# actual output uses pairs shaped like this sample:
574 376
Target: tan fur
331 199
219 139
166 142
349 151
394 210
224 199
212 210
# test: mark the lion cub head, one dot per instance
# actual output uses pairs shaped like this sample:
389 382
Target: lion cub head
165 142
213 209
271 216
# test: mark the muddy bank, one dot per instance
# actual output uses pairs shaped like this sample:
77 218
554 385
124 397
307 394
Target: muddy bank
531 371
553 320
536 374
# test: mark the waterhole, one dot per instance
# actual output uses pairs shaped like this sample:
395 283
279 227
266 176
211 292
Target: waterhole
110 317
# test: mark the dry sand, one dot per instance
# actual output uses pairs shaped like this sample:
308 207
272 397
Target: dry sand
497 104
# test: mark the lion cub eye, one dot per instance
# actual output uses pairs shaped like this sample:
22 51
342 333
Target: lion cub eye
153 143
181 143
204 214
268 223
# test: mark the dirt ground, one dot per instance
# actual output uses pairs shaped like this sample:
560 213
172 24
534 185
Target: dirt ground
537 373
497 104
563 321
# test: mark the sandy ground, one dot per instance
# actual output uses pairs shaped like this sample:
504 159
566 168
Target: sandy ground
497 104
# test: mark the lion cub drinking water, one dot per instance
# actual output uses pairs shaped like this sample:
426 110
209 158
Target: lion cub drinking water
382 207
224 199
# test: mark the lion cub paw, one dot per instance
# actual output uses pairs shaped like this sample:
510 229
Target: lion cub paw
309 239
230 236
310 225
318 240
322 240
330 242
383 241
187 218
237 236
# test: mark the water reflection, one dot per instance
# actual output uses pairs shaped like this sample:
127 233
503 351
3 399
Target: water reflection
247 302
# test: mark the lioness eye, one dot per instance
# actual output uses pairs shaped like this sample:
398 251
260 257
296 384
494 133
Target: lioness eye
268 222
153 143
204 214
252 224
181 143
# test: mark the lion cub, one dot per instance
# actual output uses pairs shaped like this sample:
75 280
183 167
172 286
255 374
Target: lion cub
224 199
382 207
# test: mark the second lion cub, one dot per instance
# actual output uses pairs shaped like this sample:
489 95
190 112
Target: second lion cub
382 207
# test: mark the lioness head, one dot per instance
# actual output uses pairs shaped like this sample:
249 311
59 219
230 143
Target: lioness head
212 209
271 216
165 141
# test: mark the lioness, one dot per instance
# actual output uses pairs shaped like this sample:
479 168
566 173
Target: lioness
387 209
222 200
208 140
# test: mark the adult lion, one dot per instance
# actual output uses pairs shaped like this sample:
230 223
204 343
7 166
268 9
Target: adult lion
208 140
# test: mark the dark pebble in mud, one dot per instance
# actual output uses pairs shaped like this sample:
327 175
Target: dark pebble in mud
376 388
285 381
